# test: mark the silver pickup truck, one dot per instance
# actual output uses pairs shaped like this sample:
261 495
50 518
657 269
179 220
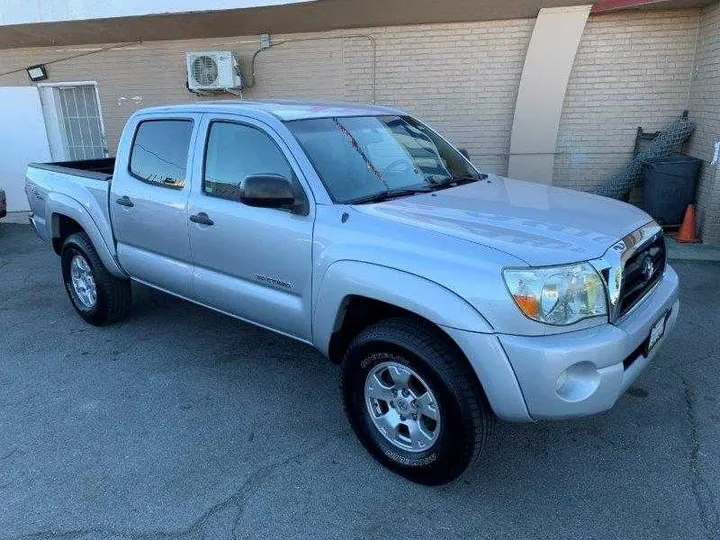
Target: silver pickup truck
448 296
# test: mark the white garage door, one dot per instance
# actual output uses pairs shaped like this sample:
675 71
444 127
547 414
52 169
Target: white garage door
22 140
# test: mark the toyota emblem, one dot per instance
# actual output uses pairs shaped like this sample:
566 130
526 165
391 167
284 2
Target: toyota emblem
647 269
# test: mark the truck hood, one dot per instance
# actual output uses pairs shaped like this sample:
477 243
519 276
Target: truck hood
539 224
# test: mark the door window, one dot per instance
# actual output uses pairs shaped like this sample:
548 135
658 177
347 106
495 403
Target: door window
160 152
235 151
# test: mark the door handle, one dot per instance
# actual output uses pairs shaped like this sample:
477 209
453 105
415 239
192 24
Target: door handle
202 218
125 201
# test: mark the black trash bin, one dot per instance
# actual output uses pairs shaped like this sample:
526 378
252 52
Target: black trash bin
669 186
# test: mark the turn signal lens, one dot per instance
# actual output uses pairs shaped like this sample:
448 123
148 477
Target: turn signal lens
528 304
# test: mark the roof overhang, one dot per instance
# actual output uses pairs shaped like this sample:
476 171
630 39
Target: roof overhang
315 16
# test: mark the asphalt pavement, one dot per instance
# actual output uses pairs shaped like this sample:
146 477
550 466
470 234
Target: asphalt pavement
180 423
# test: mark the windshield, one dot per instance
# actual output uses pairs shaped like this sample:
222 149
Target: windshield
364 156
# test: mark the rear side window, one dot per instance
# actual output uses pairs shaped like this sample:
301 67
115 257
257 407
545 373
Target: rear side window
160 152
235 151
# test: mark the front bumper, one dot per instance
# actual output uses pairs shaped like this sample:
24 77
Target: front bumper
573 374
585 372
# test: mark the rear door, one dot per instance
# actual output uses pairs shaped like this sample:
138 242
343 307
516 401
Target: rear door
149 197
254 263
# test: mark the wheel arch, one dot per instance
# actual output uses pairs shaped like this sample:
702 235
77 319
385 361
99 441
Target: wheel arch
67 216
62 226
353 295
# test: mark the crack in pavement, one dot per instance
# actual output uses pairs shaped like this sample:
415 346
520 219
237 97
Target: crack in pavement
236 502
704 497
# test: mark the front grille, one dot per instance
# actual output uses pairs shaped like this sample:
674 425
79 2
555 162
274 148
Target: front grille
636 281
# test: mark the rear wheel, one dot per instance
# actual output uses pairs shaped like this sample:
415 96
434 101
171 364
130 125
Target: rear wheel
99 297
413 401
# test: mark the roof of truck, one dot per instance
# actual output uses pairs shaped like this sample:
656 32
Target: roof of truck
283 109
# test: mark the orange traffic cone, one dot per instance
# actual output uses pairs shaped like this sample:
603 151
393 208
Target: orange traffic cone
687 229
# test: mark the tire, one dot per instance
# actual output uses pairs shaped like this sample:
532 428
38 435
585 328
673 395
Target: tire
113 296
464 416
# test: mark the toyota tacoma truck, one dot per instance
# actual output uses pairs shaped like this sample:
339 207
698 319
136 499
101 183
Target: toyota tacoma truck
448 296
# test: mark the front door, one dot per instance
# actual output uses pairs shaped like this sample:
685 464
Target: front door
148 201
254 263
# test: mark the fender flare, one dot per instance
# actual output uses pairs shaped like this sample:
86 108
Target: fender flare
416 294
58 204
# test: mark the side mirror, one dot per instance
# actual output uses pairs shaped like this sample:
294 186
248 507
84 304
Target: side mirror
267 191
465 153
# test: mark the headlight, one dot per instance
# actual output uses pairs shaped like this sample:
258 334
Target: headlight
558 295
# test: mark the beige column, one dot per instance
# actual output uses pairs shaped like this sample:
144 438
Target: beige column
548 63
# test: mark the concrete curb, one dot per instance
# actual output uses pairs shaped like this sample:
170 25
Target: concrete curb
691 252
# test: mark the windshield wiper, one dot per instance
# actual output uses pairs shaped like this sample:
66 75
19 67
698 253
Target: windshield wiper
452 181
389 194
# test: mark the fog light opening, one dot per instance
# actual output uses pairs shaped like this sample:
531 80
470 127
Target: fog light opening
578 382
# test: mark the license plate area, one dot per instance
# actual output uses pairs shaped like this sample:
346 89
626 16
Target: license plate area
657 331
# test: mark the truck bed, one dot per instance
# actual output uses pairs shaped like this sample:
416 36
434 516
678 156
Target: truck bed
79 187
98 169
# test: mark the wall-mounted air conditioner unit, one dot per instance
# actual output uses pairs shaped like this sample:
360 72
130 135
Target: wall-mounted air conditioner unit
212 70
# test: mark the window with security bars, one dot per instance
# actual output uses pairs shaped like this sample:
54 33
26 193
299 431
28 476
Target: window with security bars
79 121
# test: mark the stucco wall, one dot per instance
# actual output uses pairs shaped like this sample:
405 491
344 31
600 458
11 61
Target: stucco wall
705 112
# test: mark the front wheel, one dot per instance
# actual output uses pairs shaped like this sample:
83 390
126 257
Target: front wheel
413 401
99 297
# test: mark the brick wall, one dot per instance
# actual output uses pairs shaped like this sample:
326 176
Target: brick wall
461 78
463 83
154 73
632 69
705 112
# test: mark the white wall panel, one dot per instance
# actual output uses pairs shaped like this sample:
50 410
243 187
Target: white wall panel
22 140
